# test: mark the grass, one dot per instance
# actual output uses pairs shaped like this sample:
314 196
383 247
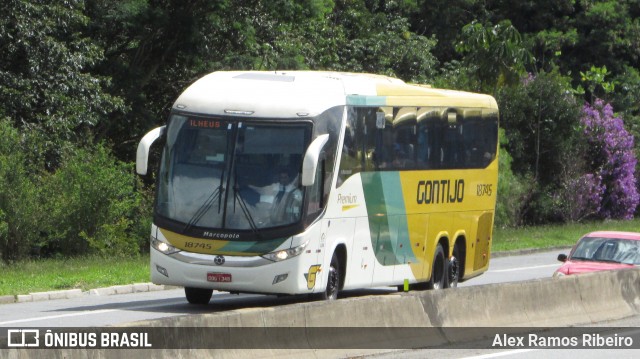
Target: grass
84 273
551 236
94 272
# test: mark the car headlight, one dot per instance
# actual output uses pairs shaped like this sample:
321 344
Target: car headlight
558 275
163 247
281 255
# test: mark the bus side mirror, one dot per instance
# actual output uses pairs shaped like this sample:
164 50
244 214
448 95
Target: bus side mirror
311 158
142 155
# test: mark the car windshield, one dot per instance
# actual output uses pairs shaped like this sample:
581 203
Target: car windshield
615 250
231 175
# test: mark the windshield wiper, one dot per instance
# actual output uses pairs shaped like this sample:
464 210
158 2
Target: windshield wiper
608 261
581 258
243 205
204 208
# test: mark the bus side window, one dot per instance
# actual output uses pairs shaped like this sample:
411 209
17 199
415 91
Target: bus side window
430 143
404 148
453 156
349 164
359 145
407 138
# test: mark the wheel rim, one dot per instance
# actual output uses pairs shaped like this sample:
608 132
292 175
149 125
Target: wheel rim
438 272
332 283
453 272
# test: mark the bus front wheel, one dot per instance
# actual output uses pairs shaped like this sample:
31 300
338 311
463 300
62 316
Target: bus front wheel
198 295
439 269
333 280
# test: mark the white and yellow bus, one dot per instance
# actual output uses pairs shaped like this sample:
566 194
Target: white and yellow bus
317 182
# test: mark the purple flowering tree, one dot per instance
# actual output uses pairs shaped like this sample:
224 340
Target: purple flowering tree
612 161
581 197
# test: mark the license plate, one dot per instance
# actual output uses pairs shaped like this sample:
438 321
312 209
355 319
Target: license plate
219 277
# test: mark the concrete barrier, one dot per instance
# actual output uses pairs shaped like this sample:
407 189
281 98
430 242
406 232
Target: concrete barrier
420 319
569 300
389 311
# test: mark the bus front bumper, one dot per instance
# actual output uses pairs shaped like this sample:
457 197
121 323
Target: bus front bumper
234 274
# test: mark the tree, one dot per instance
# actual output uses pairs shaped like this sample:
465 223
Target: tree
19 197
152 50
496 52
46 82
92 205
611 158
379 41
160 47
594 79
541 119
443 19
540 116
514 191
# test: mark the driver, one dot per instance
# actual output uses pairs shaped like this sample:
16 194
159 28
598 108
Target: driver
284 196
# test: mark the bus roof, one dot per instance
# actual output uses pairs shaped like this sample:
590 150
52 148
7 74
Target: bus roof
287 94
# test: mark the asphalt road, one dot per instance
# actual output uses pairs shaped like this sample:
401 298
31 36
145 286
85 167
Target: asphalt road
105 310
96 310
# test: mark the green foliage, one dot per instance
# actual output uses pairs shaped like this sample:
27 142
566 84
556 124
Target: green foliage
92 205
75 73
625 100
540 117
513 190
541 120
388 48
554 235
609 30
19 197
456 75
443 20
45 80
89 204
594 79
496 52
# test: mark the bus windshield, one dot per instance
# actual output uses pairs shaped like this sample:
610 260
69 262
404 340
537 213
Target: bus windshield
221 174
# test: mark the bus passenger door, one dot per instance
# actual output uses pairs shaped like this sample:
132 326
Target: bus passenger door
362 258
383 250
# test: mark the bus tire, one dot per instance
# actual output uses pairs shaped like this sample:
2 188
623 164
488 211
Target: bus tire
333 280
198 296
439 270
453 269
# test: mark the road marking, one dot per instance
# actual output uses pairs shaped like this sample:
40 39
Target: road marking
59 316
524 268
501 354
88 312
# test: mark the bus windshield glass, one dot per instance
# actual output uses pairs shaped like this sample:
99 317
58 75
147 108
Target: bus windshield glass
218 174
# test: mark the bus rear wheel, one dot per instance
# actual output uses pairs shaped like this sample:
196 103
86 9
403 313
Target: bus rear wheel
453 269
439 270
198 295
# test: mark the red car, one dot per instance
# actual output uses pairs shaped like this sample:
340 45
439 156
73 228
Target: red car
597 251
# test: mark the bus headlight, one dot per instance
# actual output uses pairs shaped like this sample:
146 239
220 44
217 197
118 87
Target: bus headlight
163 247
281 255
